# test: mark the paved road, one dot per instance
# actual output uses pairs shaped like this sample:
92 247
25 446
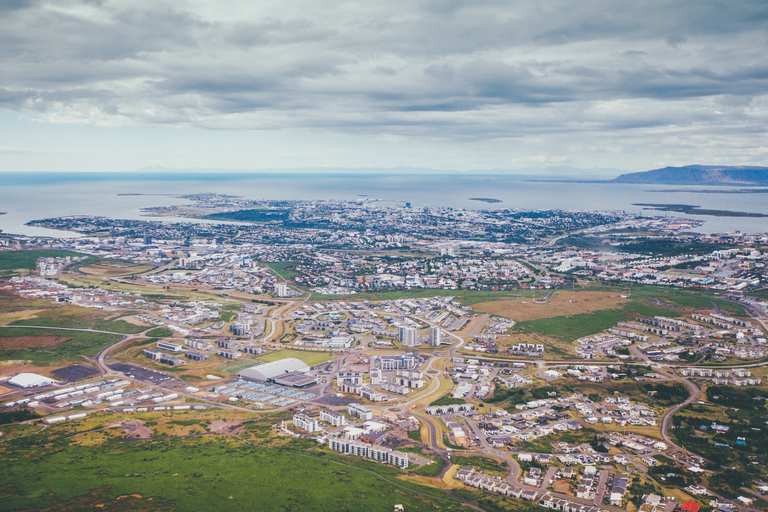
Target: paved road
667 419
550 475
600 490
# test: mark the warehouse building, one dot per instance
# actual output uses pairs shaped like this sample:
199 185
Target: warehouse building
30 380
286 372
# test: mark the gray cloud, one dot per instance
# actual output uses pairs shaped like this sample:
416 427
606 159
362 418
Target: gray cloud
441 70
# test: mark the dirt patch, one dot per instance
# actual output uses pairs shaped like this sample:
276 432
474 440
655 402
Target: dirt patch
96 501
22 342
565 304
114 268
135 429
9 368
4 390
226 427
7 318
10 301
562 487
133 320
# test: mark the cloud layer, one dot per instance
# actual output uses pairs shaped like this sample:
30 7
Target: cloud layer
674 79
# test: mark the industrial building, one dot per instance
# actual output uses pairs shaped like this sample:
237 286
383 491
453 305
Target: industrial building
30 380
295 379
287 372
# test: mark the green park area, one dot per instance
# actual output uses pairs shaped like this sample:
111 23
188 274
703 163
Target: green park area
72 317
51 346
311 358
54 470
14 262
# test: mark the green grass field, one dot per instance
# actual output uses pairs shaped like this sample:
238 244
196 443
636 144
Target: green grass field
25 260
71 345
310 358
680 298
466 297
570 328
485 464
201 474
161 332
84 320
281 269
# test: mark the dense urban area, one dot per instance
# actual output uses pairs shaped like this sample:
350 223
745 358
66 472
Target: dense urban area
371 355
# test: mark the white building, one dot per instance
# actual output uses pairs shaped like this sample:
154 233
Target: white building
334 418
435 336
358 411
30 380
408 336
281 289
369 451
306 423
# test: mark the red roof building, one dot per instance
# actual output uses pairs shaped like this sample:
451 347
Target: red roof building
690 506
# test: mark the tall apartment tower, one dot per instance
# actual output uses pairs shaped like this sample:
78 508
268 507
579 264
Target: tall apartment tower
435 336
281 289
407 335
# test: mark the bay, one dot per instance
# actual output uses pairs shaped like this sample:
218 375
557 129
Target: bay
26 197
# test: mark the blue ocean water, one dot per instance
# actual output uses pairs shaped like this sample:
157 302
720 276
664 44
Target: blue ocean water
31 196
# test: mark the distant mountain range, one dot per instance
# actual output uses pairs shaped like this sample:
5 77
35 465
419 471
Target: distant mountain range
699 175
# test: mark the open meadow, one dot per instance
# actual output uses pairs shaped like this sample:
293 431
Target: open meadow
101 467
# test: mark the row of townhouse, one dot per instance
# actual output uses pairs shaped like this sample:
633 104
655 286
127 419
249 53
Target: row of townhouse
546 430
583 459
445 409
369 451
736 321
709 320
587 485
563 505
708 372
675 321
628 334
472 478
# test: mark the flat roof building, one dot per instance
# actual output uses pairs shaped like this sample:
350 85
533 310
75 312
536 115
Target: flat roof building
359 411
334 418
306 423
276 369
30 380
295 379
172 347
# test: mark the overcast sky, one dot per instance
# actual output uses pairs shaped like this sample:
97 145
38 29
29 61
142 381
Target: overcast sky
111 85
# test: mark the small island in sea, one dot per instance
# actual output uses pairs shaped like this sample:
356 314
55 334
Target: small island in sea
696 210
485 199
